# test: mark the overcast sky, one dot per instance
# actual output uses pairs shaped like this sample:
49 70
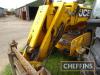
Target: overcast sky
13 3
16 3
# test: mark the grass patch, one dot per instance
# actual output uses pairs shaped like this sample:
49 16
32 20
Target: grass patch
53 64
7 70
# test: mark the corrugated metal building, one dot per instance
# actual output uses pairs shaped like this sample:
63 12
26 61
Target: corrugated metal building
2 11
28 11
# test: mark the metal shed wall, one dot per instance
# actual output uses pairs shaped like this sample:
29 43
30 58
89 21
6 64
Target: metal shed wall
28 9
1 12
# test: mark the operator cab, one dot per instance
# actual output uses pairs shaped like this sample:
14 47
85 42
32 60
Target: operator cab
94 54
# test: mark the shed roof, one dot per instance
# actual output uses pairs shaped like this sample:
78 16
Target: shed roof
36 3
33 4
1 8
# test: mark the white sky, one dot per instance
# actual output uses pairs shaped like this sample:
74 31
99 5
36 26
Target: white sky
13 3
17 3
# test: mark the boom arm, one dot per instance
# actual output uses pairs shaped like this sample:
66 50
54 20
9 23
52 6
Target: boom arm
45 35
48 27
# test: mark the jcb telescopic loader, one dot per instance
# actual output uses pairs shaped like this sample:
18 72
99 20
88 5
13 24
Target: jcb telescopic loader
57 24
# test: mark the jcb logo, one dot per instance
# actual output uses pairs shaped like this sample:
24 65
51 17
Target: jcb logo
84 13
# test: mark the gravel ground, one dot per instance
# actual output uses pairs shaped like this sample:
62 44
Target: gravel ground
11 28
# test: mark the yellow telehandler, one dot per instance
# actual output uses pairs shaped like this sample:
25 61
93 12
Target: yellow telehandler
57 24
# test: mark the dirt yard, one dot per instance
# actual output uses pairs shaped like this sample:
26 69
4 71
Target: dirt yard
11 28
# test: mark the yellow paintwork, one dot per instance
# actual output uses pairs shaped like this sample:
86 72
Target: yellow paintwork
74 44
45 45
80 42
49 20
37 25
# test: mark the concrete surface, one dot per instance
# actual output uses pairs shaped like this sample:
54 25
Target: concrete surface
11 28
